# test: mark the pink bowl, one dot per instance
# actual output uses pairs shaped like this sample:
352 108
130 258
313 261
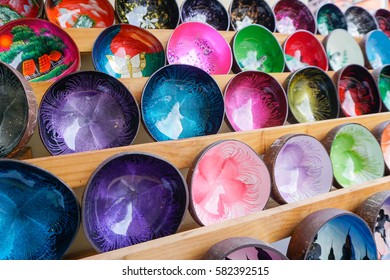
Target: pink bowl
200 45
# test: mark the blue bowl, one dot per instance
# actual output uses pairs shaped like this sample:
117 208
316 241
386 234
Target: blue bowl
181 101
376 46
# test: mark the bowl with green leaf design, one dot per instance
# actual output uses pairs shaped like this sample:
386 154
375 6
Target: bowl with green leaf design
382 79
11 10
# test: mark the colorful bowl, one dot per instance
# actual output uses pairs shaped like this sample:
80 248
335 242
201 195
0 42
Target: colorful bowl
39 49
355 154
359 21
86 111
127 51
40 215
375 45
228 180
329 17
254 100
181 101
311 96
200 45
148 14
80 13
301 49
382 16
382 134
11 10
247 12
132 198
382 79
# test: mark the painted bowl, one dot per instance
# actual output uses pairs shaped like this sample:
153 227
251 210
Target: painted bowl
293 15
200 45
87 111
382 17
301 49
382 79
132 198
300 168
148 14
11 10
247 12
359 21
329 17
243 248
332 234
127 51
254 100
342 49
227 180
80 13
40 215
311 96
358 93
355 154
375 210
375 45
211 12
18 111
382 134
39 49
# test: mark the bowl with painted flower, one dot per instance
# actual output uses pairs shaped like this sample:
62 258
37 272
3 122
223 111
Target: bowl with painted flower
375 45
359 21
329 17
11 10
382 79
382 16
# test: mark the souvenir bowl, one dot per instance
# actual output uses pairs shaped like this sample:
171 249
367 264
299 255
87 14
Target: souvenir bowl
39 49
254 100
11 10
256 48
329 17
382 134
332 234
80 13
382 79
227 180
200 45
211 12
359 21
382 17
311 96
181 101
132 198
375 45
293 15
247 12
148 14
40 215
355 154
86 111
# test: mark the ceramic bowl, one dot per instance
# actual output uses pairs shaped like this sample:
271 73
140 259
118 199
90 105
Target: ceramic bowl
243 248
301 49
11 10
355 154
311 96
382 134
80 13
200 45
181 101
359 21
39 49
358 93
132 198
247 12
342 49
329 17
86 111
382 79
300 168
375 45
256 48
332 234
211 12
127 51
227 180
40 215
254 100
18 111
148 14
382 17
293 15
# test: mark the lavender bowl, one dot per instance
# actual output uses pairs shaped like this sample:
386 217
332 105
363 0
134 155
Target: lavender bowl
359 21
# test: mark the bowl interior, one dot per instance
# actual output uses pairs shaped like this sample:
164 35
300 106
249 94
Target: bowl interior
330 17
383 82
11 10
382 16
377 49
359 21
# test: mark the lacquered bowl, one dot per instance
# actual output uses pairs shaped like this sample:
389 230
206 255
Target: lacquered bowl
200 45
11 10
40 215
329 17
355 154
300 168
375 45
382 17
293 15
311 96
382 79
132 198
127 51
332 234
181 101
80 13
212 12
359 21
86 111
227 180
39 49
148 14
382 134
254 100
247 12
